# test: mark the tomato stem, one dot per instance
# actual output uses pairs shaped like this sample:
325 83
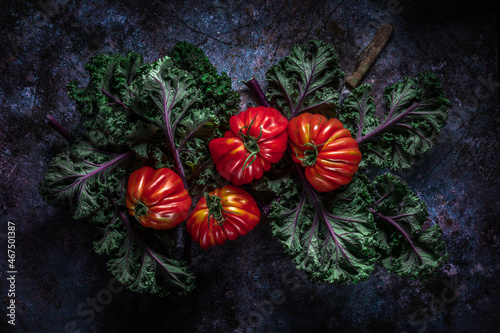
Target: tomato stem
140 210
215 209
251 144
310 155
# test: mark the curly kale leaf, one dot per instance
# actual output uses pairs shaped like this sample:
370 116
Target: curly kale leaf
335 238
331 239
104 102
134 261
110 232
186 123
359 117
417 113
405 248
136 264
143 137
306 80
193 134
172 90
215 90
82 177
127 110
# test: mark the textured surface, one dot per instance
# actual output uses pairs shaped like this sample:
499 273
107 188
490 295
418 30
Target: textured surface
251 284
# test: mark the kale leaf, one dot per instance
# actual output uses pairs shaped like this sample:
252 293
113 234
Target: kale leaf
306 80
142 269
330 238
214 89
405 248
82 177
104 102
417 112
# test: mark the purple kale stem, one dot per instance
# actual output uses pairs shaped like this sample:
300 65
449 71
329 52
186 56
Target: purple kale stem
180 170
113 98
255 88
302 98
142 243
100 169
388 123
175 153
319 209
169 132
402 231
381 199
59 128
257 92
170 137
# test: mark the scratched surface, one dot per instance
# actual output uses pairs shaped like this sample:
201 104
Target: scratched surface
251 285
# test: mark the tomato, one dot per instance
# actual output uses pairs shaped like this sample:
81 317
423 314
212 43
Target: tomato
257 138
325 148
157 198
225 213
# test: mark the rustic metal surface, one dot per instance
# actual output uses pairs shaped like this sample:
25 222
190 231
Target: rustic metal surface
251 284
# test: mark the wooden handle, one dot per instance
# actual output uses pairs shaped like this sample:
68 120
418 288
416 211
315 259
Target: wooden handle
369 55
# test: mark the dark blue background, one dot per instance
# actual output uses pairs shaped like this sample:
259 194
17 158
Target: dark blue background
250 284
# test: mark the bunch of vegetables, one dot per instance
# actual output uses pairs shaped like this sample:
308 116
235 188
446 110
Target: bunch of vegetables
163 143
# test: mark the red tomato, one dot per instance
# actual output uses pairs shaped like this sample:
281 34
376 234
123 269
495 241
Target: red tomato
225 213
157 198
257 138
325 148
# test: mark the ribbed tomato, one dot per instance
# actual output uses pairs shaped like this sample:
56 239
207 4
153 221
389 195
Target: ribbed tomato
157 198
325 148
225 213
257 138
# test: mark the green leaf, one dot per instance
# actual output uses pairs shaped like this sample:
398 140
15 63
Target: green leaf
193 135
306 80
142 269
188 124
358 112
312 227
199 123
417 112
82 177
172 90
140 137
111 236
214 89
287 218
125 79
330 238
104 102
405 248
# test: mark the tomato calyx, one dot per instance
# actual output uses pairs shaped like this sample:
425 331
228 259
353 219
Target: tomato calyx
215 209
251 144
140 210
310 155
